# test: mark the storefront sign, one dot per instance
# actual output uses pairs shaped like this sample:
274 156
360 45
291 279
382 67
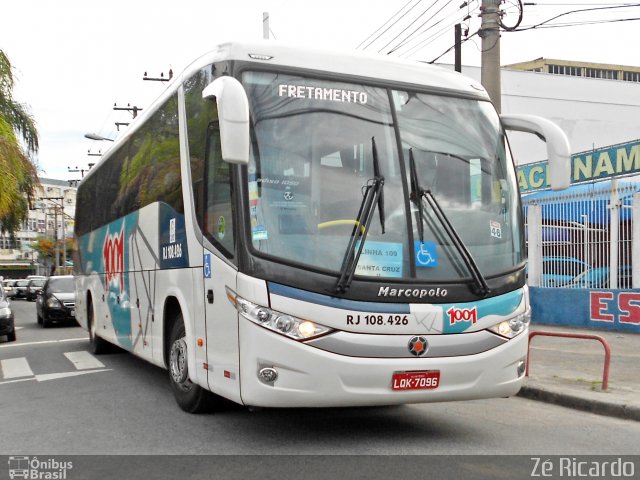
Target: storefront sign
614 161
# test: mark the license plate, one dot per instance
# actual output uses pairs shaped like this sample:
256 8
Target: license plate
416 380
73 313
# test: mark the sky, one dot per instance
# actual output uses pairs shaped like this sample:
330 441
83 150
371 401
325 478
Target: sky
74 59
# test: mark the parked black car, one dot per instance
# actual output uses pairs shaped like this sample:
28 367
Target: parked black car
7 324
21 288
35 285
57 301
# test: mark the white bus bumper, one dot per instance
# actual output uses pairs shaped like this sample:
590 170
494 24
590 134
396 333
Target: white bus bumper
310 377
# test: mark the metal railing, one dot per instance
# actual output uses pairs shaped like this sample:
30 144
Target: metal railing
583 238
605 344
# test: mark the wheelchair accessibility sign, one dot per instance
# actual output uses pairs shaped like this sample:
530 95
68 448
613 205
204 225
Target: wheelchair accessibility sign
425 253
206 267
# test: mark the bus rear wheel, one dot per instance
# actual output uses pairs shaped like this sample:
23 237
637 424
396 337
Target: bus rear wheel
191 397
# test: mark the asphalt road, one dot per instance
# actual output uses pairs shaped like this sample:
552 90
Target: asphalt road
59 400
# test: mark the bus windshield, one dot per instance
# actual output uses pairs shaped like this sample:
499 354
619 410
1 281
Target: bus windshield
312 159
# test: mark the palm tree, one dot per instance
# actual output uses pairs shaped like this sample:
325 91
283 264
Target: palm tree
18 173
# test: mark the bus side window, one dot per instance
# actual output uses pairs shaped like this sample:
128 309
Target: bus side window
218 210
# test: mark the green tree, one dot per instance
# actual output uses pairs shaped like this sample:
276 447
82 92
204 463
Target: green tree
45 247
18 173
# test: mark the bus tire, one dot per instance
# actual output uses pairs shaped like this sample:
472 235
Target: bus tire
191 398
97 344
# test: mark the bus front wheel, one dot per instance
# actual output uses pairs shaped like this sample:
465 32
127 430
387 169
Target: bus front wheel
97 344
191 397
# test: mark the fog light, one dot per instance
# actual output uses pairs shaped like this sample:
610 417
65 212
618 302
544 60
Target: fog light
522 365
268 375
516 324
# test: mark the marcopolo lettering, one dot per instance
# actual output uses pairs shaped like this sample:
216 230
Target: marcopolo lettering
412 292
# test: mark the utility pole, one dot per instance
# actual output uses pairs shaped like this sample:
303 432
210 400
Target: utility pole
490 34
458 47
55 227
265 25
160 78
133 110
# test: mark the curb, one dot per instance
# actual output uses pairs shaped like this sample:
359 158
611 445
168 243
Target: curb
625 412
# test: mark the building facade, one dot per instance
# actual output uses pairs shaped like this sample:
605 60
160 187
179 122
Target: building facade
573 68
594 112
52 217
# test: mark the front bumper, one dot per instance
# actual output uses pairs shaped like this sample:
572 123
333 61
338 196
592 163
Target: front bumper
59 314
310 377
7 325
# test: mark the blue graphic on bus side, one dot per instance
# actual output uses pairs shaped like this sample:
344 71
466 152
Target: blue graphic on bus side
173 251
458 317
106 252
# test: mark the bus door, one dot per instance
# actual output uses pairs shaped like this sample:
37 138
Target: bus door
220 271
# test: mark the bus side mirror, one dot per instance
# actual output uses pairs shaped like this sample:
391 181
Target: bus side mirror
558 149
233 115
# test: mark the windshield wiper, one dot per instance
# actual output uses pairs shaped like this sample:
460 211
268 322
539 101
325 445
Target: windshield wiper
373 196
419 196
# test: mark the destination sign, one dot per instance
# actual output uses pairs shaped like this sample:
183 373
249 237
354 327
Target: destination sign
321 93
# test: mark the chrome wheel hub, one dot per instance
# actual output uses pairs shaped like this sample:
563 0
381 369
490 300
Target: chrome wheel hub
178 362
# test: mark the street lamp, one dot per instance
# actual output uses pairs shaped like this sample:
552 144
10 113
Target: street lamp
95 136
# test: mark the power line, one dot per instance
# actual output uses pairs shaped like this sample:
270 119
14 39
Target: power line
518 22
409 36
413 37
387 29
411 24
582 23
582 10
544 24
453 46
440 32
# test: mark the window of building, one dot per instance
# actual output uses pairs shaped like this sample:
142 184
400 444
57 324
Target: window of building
601 73
631 76
565 70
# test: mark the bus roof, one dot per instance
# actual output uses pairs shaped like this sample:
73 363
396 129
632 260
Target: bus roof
344 62
353 63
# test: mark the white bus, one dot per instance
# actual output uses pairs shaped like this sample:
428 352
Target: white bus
298 228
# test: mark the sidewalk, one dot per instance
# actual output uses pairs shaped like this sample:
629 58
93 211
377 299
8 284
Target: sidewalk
568 371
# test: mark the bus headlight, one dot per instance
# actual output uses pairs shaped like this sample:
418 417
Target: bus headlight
513 326
288 325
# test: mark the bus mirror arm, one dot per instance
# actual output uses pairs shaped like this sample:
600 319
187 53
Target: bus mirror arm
233 116
558 148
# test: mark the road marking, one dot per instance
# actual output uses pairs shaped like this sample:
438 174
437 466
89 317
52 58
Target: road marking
17 344
56 376
15 368
83 360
